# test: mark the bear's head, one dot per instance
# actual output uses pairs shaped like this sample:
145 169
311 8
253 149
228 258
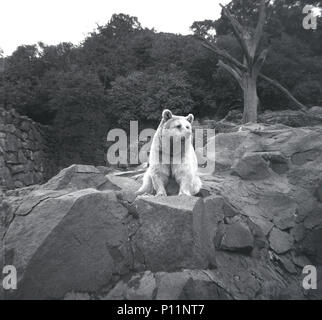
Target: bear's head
174 135
176 126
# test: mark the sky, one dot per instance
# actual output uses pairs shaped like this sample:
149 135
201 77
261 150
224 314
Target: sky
28 22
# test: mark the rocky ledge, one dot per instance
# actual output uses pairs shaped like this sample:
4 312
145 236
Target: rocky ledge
254 226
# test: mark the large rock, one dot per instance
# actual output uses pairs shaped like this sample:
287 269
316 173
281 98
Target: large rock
172 233
76 177
73 242
252 166
300 146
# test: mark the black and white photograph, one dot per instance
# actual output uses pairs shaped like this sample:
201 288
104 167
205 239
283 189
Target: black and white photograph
165 152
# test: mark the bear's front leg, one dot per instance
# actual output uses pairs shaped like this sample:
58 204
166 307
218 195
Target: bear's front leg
185 186
183 176
159 182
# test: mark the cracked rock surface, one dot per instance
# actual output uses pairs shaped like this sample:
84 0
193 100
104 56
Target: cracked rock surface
247 235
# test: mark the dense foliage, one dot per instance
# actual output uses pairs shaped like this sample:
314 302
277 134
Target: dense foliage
123 71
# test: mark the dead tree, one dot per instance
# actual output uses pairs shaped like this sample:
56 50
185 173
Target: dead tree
248 71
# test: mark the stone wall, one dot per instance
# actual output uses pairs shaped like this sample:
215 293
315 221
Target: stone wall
26 151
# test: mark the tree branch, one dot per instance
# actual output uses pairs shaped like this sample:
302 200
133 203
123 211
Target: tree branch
234 72
260 24
239 28
240 33
273 82
260 61
224 55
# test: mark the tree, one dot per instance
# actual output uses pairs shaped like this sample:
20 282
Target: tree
81 119
143 96
246 73
204 28
120 24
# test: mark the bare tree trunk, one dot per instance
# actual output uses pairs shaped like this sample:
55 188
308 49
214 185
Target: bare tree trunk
246 73
250 98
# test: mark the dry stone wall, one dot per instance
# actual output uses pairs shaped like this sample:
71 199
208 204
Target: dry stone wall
26 151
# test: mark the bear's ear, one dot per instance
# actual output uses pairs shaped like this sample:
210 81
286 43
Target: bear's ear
166 114
190 117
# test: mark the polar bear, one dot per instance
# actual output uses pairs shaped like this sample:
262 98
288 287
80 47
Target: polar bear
172 156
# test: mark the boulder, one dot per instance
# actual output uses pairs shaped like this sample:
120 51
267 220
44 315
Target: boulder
172 233
277 144
280 241
251 166
73 242
76 177
237 237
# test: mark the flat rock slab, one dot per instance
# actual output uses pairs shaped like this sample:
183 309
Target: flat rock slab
76 177
172 233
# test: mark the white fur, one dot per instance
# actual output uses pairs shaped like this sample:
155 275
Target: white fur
184 165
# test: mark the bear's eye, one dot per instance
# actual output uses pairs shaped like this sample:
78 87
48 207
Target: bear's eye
179 126
187 127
